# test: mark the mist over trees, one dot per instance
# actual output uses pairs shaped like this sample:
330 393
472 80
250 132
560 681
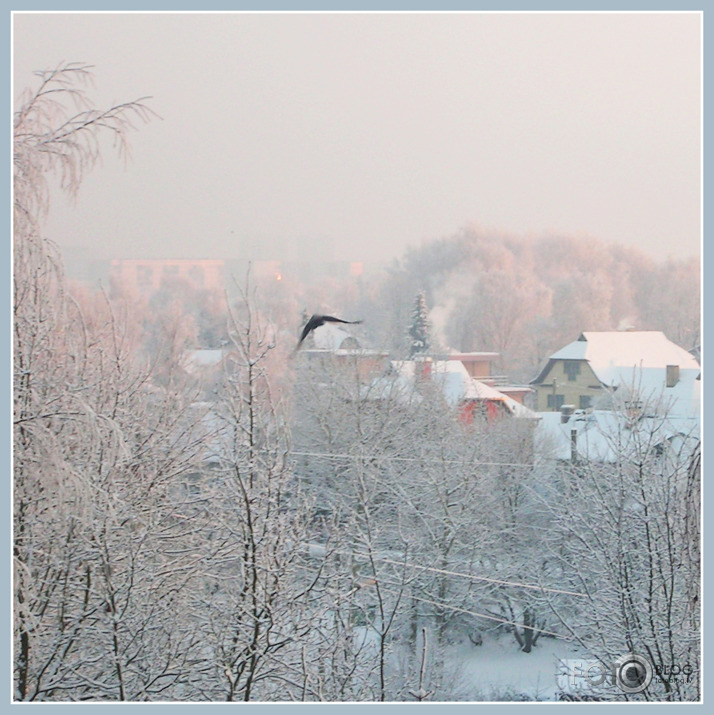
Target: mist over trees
526 297
302 528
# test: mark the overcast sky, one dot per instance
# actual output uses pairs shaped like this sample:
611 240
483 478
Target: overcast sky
375 131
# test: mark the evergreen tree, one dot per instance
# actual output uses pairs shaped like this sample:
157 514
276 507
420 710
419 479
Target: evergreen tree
419 341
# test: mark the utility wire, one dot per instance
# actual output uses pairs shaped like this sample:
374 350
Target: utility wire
457 609
388 458
458 574
482 615
469 576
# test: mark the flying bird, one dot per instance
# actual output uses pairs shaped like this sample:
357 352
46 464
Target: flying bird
316 321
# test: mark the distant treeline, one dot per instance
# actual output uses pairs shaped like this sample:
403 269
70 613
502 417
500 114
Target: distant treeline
526 297
485 291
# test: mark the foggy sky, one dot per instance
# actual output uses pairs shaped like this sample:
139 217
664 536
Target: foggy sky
374 131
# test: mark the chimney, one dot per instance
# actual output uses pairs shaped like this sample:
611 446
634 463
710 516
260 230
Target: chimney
566 412
672 375
422 368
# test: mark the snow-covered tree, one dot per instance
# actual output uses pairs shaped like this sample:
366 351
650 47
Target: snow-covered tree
429 498
97 446
625 534
250 597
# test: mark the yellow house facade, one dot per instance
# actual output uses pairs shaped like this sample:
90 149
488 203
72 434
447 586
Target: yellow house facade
566 382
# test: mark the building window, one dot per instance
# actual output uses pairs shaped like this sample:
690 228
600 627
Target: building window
586 401
144 276
197 276
555 402
572 369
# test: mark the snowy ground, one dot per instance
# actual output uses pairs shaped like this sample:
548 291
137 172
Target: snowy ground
497 670
494 671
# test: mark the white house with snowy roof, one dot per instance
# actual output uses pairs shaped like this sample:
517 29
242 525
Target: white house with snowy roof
636 369
609 436
330 344
331 337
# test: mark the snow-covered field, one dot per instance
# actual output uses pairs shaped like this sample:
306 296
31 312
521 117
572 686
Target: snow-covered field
497 670
494 671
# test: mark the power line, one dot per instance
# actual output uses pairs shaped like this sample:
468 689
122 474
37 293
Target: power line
431 460
457 609
483 615
459 574
471 577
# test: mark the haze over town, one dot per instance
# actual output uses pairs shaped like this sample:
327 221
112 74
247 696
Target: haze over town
367 133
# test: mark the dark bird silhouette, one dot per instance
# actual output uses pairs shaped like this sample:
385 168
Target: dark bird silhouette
316 321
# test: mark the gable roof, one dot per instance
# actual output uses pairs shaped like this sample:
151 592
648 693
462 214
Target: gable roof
614 355
610 351
637 361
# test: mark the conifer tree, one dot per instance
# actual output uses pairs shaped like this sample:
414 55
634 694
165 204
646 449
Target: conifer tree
419 339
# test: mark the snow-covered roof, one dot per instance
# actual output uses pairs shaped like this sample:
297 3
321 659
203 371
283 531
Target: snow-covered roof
450 375
203 358
479 356
637 361
482 391
330 337
519 410
396 388
610 352
457 385
605 435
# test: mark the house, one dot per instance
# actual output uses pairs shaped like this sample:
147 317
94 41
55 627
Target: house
479 365
608 436
472 398
330 343
639 366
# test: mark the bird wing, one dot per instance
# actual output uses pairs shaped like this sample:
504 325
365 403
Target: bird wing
316 321
308 327
332 319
